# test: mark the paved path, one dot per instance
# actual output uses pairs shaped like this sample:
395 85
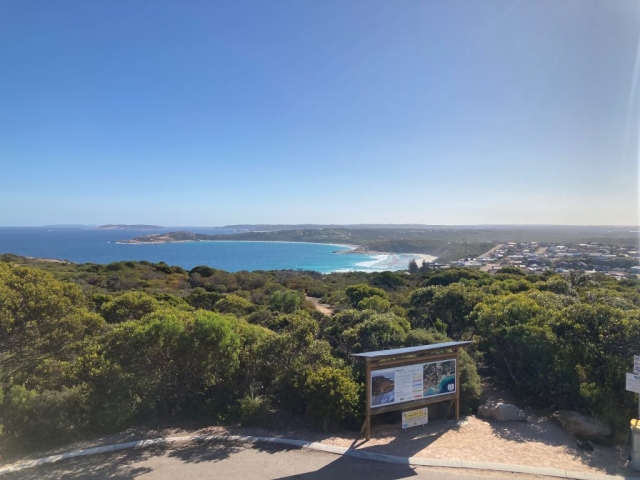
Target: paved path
241 461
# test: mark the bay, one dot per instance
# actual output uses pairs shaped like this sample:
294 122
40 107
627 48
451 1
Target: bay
86 245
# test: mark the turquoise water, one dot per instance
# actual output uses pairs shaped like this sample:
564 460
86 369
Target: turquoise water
96 246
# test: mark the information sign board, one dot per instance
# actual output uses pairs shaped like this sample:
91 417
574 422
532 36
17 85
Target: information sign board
412 382
413 418
633 382
636 364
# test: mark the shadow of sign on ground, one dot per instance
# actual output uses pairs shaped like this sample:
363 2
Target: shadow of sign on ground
405 445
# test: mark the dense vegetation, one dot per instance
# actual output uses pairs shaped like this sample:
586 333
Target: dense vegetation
95 348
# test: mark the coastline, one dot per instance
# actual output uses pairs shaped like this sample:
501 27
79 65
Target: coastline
164 242
351 249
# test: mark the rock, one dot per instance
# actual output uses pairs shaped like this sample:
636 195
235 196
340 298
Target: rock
502 412
581 426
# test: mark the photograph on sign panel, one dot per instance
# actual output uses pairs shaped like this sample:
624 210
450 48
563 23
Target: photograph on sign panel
439 378
383 383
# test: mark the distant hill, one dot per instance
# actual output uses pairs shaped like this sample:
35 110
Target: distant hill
129 227
172 237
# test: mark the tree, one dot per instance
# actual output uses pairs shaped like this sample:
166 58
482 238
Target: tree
41 318
413 266
128 306
286 301
380 331
450 305
377 304
357 293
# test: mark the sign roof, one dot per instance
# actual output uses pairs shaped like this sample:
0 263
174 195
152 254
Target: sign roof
434 347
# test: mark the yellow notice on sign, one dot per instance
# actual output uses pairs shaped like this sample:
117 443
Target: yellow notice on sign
413 418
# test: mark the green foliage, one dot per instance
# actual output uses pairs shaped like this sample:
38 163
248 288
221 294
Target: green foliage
35 419
331 394
201 299
234 304
557 285
40 317
172 301
388 280
378 332
377 304
519 340
453 275
255 409
128 306
448 307
173 355
357 293
195 345
286 301
599 341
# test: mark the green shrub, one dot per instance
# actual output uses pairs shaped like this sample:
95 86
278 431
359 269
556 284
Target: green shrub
254 409
128 306
331 395
377 304
33 419
235 304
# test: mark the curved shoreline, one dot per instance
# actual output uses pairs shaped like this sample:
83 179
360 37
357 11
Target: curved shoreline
351 249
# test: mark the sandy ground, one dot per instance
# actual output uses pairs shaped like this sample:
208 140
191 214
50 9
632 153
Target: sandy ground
420 257
321 307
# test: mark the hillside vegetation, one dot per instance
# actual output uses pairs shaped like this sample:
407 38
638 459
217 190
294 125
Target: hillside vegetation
87 349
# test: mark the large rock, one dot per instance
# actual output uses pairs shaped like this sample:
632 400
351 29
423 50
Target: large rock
502 412
581 426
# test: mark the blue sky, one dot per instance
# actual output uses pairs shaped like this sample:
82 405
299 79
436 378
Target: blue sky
333 111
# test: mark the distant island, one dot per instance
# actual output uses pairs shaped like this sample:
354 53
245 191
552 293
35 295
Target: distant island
172 237
129 227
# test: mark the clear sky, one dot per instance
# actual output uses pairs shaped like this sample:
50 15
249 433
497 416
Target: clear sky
305 111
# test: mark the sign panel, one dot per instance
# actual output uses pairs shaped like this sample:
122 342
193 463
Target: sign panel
636 364
414 418
633 382
413 382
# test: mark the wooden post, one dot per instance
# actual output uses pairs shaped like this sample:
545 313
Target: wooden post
457 384
367 422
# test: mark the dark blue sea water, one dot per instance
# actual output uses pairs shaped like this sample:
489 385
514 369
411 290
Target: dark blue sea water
83 245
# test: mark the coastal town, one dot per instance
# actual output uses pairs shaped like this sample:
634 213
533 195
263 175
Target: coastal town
536 258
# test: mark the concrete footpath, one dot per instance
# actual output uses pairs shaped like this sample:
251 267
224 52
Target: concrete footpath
317 446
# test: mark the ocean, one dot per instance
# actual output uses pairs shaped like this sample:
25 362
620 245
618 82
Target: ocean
85 245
